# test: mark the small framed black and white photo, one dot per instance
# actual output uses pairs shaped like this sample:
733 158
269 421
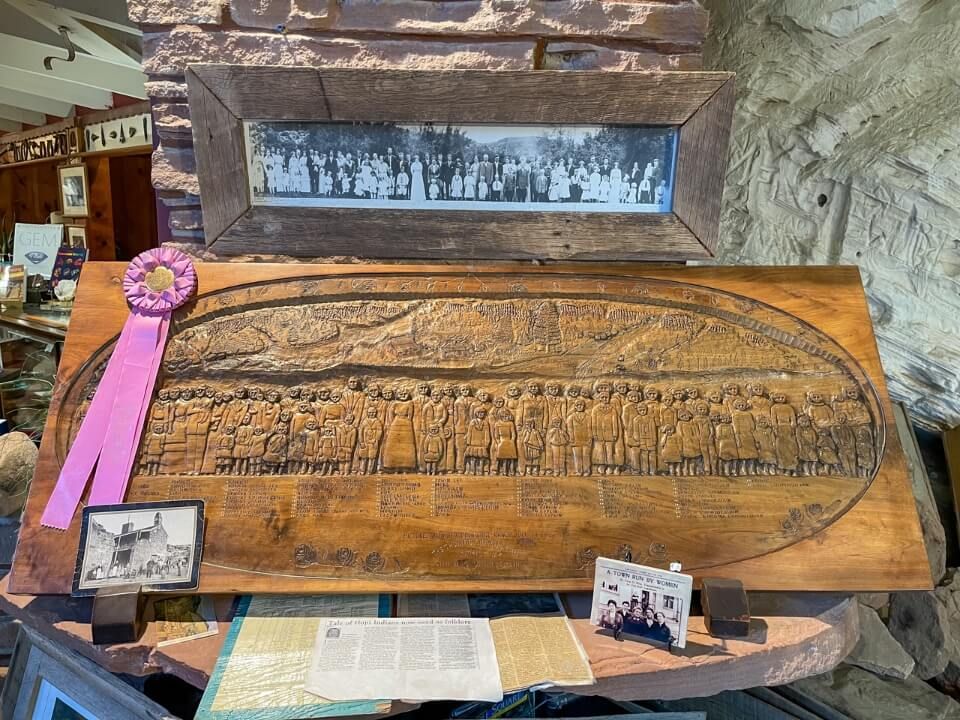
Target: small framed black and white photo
74 190
155 544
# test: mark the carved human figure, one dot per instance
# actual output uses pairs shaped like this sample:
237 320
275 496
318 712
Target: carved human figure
846 444
175 444
327 451
651 398
224 452
706 438
557 442
743 428
462 415
258 447
504 440
580 431
420 400
866 454
333 411
448 399
275 454
766 445
160 410
668 413
354 398
631 405
671 455
731 394
531 447
689 443
533 407
820 413
827 453
784 419
346 436
432 449
757 399
399 445
728 453
693 399
311 438
478 438
556 403
374 400
618 397
241 447
368 442
301 416
715 401
607 435
645 437
152 449
270 410
513 395
807 445
297 461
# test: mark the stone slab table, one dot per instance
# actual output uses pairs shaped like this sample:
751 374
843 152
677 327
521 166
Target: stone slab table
792 636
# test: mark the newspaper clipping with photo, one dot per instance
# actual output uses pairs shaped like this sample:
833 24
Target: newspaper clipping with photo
641 601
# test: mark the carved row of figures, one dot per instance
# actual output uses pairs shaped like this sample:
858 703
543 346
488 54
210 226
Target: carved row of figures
530 429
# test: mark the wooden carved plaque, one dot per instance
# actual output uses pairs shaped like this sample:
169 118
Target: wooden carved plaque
424 428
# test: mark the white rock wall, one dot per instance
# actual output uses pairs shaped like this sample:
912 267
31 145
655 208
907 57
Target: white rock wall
845 150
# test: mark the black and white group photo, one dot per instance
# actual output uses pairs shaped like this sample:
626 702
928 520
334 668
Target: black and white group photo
454 167
153 546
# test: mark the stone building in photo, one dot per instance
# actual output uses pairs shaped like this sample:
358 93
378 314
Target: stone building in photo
130 551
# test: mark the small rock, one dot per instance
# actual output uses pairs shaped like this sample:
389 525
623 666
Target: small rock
877 650
860 695
18 458
877 601
920 622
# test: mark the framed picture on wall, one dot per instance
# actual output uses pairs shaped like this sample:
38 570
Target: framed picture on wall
76 236
49 682
466 164
74 190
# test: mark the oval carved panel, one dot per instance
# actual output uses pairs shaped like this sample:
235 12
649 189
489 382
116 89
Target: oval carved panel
480 427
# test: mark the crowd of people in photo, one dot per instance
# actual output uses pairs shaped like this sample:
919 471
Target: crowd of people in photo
485 177
613 427
152 569
636 617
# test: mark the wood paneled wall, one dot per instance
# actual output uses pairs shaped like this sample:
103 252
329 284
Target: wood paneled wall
123 213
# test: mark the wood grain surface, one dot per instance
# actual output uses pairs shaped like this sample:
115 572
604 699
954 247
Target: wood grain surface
412 520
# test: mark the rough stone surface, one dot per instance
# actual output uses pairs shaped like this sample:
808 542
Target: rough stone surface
186 219
877 601
682 22
845 150
921 623
587 56
877 650
283 14
934 536
173 12
167 90
861 695
172 121
175 169
168 54
18 458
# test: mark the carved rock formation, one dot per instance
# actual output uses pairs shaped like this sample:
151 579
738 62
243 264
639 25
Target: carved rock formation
845 151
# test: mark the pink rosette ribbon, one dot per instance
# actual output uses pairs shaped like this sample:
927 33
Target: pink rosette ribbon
155 284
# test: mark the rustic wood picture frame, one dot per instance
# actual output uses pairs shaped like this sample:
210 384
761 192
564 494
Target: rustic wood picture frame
698 104
39 665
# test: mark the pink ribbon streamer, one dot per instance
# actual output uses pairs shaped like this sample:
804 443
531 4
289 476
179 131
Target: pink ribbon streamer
156 282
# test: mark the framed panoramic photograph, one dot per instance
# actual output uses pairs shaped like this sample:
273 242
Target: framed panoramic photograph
74 190
467 164
155 544
49 682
